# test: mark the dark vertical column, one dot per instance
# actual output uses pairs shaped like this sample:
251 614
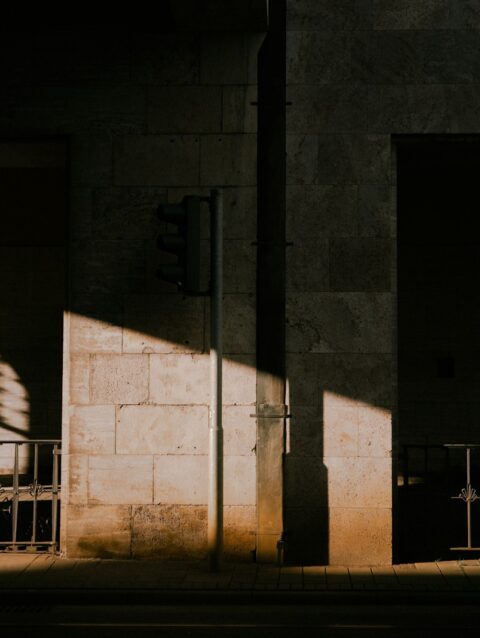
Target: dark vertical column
271 284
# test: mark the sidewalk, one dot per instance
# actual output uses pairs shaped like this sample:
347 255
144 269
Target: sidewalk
51 575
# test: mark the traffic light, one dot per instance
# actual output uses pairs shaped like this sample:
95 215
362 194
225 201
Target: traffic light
185 244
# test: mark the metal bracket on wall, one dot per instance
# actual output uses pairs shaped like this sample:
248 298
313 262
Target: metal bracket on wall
271 411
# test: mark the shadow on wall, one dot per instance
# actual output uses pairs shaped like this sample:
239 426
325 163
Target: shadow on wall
338 466
126 324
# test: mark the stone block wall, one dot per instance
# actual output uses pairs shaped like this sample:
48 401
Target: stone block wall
359 72
149 117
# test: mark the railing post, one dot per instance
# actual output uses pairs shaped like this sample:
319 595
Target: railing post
33 492
54 496
15 494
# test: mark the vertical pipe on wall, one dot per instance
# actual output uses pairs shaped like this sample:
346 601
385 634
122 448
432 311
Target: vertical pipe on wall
215 432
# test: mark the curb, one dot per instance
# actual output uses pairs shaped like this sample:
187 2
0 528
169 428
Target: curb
120 596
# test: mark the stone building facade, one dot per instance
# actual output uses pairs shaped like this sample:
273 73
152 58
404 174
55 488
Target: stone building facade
121 119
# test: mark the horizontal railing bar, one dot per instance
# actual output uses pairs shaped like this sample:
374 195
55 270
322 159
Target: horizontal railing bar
29 543
31 442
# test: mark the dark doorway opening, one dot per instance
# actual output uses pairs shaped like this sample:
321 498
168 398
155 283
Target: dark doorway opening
33 282
438 342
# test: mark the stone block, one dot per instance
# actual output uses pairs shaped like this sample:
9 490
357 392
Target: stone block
169 531
181 479
376 211
224 58
340 431
239 536
328 15
387 57
306 482
90 160
239 430
239 380
239 113
308 536
126 213
239 266
302 378
410 14
341 322
360 264
77 479
465 15
302 159
240 213
360 536
332 108
80 207
91 335
353 159
305 431
79 379
184 379
163 324
321 211
156 160
179 379
102 270
359 482
374 431
160 429
463 108
409 109
184 109
449 57
92 429
98 531
120 479
240 480
344 380
321 57
228 160
119 379
239 328
106 98
307 262
166 58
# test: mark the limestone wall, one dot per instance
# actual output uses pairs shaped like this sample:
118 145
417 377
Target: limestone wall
149 117
358 73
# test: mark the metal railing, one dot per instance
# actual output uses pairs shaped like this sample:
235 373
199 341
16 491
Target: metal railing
31 490
467 494
431 480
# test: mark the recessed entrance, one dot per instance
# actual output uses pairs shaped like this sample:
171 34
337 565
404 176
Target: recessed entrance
438 342
33 188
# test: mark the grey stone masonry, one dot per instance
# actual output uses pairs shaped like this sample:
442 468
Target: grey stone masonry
149 117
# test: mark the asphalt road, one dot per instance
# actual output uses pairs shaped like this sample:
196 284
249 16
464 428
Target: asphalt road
265 620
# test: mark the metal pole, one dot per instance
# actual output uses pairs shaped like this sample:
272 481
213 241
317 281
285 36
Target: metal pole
54 497
34 493
215 443
469 503
15 495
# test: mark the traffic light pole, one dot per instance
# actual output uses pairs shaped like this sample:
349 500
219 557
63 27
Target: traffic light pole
215 431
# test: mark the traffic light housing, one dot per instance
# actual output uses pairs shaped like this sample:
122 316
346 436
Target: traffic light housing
184 243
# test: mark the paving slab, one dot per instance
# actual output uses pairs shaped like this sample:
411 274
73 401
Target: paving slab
41 572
